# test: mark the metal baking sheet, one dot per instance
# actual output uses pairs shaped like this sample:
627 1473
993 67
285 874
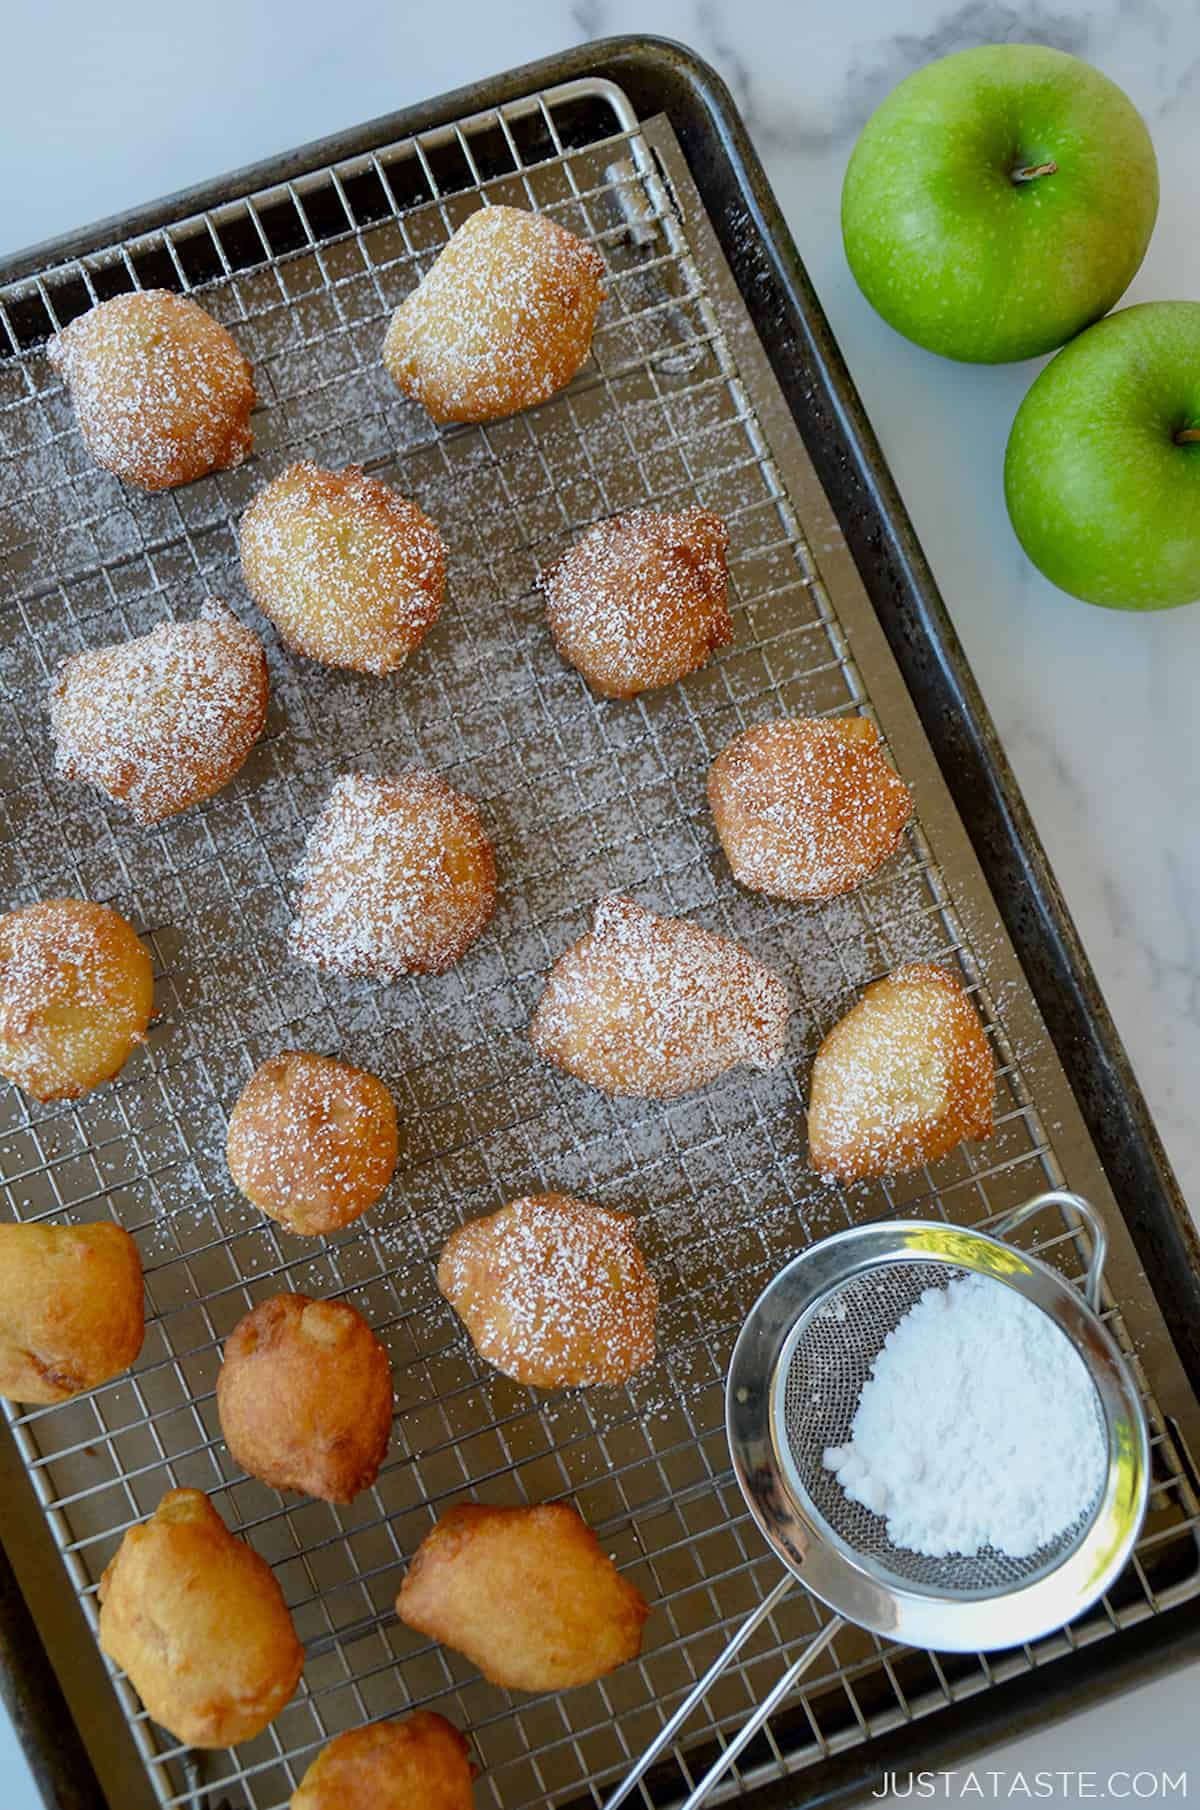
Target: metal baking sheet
582 797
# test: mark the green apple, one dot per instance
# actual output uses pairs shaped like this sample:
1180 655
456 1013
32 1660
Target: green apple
999 201
1102 473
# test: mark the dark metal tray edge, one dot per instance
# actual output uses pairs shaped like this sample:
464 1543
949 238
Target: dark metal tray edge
661 76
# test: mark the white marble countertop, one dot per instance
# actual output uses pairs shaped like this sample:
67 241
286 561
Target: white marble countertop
106 107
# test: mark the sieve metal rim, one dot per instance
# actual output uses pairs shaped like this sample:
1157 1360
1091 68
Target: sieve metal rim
824 1563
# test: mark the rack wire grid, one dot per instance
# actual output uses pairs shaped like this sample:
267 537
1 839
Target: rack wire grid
582 797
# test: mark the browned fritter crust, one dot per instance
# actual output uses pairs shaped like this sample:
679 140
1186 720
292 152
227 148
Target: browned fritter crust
419 1763
553 1291
198 1622
642 600
526 1594
71 1308
304 1395
399 877
350 572
657 1006
807 807
76 995
165 720
312 1141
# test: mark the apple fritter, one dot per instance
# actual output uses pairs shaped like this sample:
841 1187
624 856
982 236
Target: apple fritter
553 1291
165 720
501 320
304 1395
905 1076
76 995
312 1141
526 1594
350 572
398 878
197 1621
419 1763
162 394
807 807
641 600
71 1309
657 1006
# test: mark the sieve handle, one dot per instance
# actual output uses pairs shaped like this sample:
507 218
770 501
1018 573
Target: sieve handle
670 1729
1062 1197
701 1689
766 1708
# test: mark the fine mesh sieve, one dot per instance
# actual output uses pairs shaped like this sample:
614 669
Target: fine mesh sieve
821 1382
803 1355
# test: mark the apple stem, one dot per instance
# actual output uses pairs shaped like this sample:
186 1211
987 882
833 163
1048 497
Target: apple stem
1030 170
1187 435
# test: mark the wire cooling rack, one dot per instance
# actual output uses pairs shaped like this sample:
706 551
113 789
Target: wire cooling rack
582 797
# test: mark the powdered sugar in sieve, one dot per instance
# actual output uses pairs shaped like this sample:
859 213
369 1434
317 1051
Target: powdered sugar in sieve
978 1427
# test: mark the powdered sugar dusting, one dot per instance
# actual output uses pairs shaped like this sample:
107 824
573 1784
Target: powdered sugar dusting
350 572
807 808
164 721
657 1006
502 320
398 877
161 392
58 948
642 599
553 1291
902 1078
75 995
312 1140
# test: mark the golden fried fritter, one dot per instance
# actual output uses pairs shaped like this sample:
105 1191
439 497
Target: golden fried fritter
164 721
304 1394
657 1006
641 600
807 807
553 1291
199 1624
420 1763
501 321
398 878
312 1141
526 1594
349 571
71 1311
162 395
901 1079
76 995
